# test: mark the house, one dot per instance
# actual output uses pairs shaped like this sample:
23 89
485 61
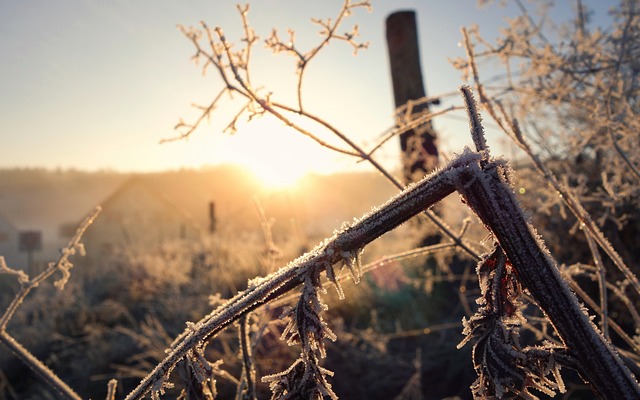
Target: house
136 216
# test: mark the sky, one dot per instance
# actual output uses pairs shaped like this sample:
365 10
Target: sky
96 84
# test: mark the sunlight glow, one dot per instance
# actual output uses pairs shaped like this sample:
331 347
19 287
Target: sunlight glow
278 156
269 175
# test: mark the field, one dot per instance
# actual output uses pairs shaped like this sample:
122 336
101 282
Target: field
119 313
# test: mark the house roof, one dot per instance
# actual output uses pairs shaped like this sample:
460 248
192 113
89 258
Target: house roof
138 182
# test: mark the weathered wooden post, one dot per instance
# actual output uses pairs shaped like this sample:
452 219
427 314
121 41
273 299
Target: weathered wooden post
419 150
30 242
212 217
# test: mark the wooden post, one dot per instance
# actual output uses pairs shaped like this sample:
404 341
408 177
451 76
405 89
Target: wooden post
30 242
419 150
212 217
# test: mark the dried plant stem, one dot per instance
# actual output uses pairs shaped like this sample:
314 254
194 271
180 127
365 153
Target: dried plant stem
580 213
236 65
244 89
330 33
390 215
421 251
249 371
623 155
484 186
591 303
53 267
399 130
609 97
250 94
486 192
37 366
111 389
437 221
512 129
445 326
602 285
20 351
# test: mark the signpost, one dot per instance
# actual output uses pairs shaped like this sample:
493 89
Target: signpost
29 242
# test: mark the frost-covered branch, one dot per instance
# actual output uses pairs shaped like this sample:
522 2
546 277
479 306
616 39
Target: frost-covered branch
584 88
63 265
343 248
328 32
112 386
485 185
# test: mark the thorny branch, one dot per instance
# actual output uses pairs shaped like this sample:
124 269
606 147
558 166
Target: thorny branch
512 129
484 184
486 191
342 247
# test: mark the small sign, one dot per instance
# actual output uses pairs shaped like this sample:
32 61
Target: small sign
30 241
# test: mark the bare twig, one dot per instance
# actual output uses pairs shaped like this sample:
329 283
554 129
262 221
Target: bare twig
512 129
112 386
221 49
485 188
37 366
247 387
440 224
589 301
602 285
402 128
63 265
343 246
484 184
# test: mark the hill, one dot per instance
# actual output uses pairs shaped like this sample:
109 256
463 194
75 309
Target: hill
54 201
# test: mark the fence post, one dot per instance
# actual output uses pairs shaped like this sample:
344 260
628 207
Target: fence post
419 150
212 217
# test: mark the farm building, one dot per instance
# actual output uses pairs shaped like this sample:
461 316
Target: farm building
136 216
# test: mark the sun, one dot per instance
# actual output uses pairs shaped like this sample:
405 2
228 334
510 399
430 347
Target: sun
276 154
270 176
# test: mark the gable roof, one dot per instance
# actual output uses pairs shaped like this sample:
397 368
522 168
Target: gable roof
137 183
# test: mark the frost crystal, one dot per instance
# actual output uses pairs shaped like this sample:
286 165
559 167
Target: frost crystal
158 388
352 260
498 358
302 380
331 276
305 379
4 269
64 267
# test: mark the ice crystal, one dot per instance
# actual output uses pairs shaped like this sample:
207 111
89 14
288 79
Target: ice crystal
352 261
331 276
79 247
159 387
202 372
64 267
502 365
302 380
306 327
4 269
